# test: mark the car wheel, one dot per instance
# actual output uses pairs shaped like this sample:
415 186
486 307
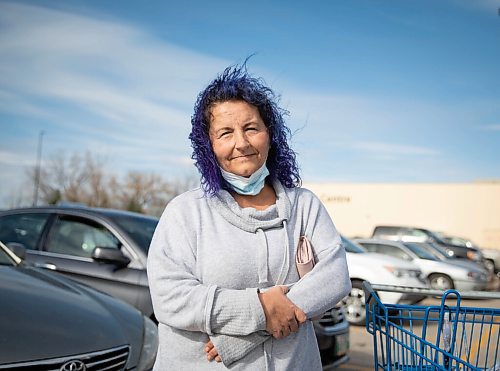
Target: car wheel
440 282
354 304
490 265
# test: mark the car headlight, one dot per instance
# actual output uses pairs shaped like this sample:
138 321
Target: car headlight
450 252
476 275
149 345
472 255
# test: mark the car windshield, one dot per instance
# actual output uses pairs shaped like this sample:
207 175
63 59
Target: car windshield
433 249
351 246
139 228
436 238
420 251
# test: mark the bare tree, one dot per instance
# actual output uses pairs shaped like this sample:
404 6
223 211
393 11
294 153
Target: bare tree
144 192
84 179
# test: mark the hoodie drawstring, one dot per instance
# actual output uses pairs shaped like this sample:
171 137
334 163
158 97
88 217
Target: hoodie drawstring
262 252
285 266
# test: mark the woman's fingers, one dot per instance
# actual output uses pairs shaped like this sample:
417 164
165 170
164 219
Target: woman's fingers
284 289
300 316
282 316
209 346
212 353
293 325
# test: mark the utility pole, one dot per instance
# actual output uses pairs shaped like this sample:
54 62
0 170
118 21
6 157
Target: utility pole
38 166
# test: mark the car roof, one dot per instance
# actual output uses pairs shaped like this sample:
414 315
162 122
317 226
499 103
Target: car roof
80 209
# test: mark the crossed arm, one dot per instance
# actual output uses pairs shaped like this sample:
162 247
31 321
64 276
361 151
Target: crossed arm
282 318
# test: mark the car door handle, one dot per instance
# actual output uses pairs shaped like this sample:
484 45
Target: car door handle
46 266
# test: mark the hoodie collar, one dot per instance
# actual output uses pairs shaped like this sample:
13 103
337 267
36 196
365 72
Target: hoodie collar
250 219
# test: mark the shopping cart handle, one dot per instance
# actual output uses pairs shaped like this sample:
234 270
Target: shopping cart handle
431 292
371 295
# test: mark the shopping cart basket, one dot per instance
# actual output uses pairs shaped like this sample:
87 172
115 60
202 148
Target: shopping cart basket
442 337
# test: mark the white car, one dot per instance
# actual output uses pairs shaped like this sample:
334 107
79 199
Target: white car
442 275
382 270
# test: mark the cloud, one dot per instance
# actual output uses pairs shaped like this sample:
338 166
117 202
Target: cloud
111 70
15 159
394 149
95 84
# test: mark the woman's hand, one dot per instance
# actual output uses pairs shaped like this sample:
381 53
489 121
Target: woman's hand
212 352
282 316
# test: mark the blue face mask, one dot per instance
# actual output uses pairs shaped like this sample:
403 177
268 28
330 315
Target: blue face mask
247 186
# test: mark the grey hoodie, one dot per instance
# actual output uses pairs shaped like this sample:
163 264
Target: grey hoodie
207 259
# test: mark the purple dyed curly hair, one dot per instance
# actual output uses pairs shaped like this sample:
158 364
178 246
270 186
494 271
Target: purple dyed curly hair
235 83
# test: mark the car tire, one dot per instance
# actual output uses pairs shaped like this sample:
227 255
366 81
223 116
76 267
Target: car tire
439 281
354 305
490 265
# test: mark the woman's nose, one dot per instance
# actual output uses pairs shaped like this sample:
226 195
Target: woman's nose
241 140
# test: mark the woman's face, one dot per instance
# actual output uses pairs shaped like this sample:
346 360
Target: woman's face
239 137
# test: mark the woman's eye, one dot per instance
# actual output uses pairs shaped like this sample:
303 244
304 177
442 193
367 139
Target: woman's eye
224 133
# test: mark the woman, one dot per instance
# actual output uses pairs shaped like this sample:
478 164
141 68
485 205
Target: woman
221 265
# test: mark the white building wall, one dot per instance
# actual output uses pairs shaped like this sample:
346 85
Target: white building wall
470 210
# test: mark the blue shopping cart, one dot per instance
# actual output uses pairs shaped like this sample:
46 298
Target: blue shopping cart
442 337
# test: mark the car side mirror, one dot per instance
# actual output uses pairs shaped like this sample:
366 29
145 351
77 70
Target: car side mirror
17 248
110 255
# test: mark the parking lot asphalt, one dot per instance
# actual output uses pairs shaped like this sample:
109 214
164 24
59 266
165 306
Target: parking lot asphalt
361 342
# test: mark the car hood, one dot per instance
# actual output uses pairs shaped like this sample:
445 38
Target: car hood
468 264
44 315
455 271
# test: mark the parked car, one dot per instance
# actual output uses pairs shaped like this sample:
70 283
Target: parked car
442 275
378 269
411 234
107 249
491 256
439 253
492 259
48 322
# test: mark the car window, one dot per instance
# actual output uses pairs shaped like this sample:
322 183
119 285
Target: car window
385 231
434 250
351 246
24 228
414 235
140 229
421 252
79 237
387 250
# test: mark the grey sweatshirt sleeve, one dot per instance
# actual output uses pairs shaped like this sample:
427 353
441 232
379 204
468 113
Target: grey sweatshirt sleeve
181 300
328 282
234 348
237 312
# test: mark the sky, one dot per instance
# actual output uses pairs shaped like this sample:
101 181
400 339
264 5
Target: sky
377 90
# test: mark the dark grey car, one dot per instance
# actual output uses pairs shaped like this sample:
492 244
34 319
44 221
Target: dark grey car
103 248
107 249
48 322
